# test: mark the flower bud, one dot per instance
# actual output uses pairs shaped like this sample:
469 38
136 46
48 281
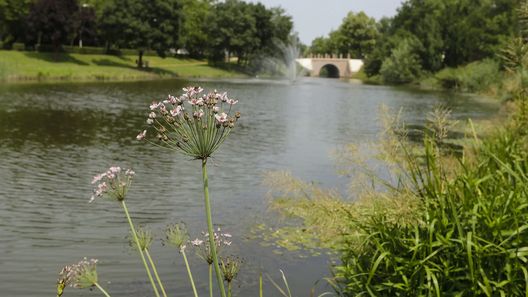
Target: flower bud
177 235
230 267
144 237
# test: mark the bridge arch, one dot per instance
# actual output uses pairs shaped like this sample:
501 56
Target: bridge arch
329 70
345 67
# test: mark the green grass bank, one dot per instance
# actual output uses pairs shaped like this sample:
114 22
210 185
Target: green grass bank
19 66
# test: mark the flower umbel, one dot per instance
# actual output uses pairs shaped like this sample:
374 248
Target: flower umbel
202 246
113 183
144 236
230 267
177 235
200 131
80 275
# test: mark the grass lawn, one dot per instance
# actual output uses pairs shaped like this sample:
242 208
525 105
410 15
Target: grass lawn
34 66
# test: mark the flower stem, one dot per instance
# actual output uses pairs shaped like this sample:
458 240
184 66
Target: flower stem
212 243
102 290
228 289
133 229
189 272
210 280
260 286
155 272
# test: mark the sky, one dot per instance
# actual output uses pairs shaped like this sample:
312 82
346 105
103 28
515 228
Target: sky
314 18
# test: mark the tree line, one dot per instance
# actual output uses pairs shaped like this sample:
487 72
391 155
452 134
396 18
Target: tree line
209 29
423 37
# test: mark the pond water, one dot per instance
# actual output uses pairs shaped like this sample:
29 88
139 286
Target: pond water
55 137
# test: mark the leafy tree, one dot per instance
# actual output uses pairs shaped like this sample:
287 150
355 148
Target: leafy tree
403 65
421 18
274 37
86 25
232 30
195 15
473 31
320 46
53 22
357 35
282 24
451 32
13 15
142 25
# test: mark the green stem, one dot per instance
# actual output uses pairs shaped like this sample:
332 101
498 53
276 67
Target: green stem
189 272
228 289
212 243
155 272
102 290
133 229
210 280
260 285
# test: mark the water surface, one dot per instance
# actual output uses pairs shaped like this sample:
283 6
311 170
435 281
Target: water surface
55 137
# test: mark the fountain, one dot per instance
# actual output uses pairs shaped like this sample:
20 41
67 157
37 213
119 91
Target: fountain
284 64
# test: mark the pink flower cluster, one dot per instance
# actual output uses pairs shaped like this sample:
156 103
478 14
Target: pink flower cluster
204 252
209 109
113 183
74 275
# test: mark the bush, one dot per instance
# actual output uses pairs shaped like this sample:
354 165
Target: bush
475 77
403 65
472 235
18 46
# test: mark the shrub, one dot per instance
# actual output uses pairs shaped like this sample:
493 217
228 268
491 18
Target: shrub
18 46
403 65
475 77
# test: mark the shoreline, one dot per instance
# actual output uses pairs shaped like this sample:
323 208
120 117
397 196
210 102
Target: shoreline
19 67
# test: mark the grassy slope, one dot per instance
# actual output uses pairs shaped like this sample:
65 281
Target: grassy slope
21 66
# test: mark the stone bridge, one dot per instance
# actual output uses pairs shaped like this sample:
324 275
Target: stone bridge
334 67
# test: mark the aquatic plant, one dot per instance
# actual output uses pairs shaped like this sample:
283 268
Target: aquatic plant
204 250
431 230
176 235
113 184
195 125
79 275
230 267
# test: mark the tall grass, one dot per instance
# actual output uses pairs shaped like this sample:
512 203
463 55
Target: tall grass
472 235
478 76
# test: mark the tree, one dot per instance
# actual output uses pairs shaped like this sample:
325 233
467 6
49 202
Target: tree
13 15
475 31
282 24
232 30
52 22
320 46
195 16
423 19
403 65
249 31
142 25
86 25
273 34
357 35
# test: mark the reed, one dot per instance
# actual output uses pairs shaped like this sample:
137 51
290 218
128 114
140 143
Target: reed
471 239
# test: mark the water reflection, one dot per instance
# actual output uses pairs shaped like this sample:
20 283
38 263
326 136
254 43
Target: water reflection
54 137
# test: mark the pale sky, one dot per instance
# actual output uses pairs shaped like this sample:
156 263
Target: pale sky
314 18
